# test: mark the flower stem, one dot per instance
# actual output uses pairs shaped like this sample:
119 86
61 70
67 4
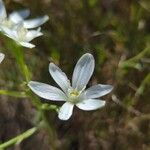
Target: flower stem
13 93
132 62
17 52
19 138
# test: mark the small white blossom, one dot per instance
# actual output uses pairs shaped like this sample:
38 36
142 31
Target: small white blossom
1 57
18 17
22 35
75 94
15 27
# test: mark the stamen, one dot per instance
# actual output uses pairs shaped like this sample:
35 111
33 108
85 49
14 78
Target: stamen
73 96
74 93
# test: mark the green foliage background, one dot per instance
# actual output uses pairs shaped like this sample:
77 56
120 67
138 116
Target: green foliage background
117 33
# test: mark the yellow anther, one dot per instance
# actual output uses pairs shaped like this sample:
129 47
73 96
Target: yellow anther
74 93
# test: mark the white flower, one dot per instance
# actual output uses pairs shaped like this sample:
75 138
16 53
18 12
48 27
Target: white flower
74 94
18 17
22 35
15 27
1 57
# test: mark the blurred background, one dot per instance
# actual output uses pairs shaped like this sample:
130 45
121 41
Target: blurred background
117 33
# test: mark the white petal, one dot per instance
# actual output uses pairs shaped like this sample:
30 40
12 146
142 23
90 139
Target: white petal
31 34
83 71
1 57
15 17
90 104
18 16
10 33
15 32
59 77
47 91
97 91
26 44
65 111
3 14
33 23
24 13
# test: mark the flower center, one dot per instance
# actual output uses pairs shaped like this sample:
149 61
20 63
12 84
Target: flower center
73 96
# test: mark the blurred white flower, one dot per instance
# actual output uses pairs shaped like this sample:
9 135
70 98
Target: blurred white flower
1 57
15 27
22 35
18 17
74 94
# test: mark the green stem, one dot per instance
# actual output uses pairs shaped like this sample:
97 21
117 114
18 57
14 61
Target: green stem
35 100
13 93
42 108
49 107
17 52
133 61
144 83
19 138
51 133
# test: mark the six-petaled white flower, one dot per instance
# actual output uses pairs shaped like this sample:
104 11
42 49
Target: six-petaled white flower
22 35
18 17
1 57
74 94
15 27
